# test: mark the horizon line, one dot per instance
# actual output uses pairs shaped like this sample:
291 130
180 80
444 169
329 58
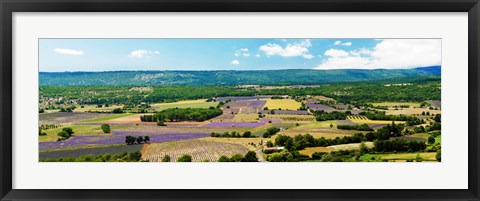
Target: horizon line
106 71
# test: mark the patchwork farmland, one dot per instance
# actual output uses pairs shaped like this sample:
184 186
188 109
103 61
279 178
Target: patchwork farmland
240 124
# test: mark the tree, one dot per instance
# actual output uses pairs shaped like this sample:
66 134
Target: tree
438 118
166 158
117 110
63 135
146 139
363 148
139 139
223 159
130 140
68 130
236 158
105 128
251 156
438 156
430 139
269 144
247 134
160 122
185 158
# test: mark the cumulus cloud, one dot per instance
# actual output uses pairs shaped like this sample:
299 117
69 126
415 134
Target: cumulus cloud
142 53
291 50
339 42
68 51
388 54
242 52
257 55
235 62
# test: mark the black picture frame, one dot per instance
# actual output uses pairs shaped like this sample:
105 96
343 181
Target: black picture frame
7 7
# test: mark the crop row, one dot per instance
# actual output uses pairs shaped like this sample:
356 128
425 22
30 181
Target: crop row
200 150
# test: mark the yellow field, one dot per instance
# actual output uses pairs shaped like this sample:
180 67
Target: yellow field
310 150
365 120
412 111
391 104
323 98
430 156
351 146
291 117
245 118
284 104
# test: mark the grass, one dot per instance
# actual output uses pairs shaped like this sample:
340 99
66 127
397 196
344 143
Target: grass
95 108
258 131
391 104
201 103
284 104
430 156
351 146
80 130
310 150
106 118
411 111
246 118
365 120
319 124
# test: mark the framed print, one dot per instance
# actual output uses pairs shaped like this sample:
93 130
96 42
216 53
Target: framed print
259 100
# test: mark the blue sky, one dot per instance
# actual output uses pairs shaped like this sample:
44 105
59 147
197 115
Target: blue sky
58 55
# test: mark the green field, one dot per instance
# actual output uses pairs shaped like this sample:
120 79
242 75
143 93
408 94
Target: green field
80 130
106 118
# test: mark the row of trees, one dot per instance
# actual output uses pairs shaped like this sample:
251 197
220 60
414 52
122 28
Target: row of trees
321 115
399 145
271 131
250 156
183 114
129 140
233 134
122 157
362 127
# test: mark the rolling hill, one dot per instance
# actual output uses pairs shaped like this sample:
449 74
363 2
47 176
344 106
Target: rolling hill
261 77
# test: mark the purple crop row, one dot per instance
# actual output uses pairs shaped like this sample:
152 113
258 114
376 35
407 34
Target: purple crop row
257 103
117 138
319 107
240 98
295 112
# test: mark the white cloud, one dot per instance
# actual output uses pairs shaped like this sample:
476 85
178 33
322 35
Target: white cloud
284 40
257 55
336 53
291 50
235 62
242 52
388 54
142 53
339 42
68 51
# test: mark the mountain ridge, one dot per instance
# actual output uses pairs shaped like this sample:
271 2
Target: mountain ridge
227 77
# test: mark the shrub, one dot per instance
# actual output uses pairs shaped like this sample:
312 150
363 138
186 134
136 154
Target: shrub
185 158
251 156
166 158
68 130
105 128
223 159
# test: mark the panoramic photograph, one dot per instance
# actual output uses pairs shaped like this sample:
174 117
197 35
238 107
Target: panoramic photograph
239 100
